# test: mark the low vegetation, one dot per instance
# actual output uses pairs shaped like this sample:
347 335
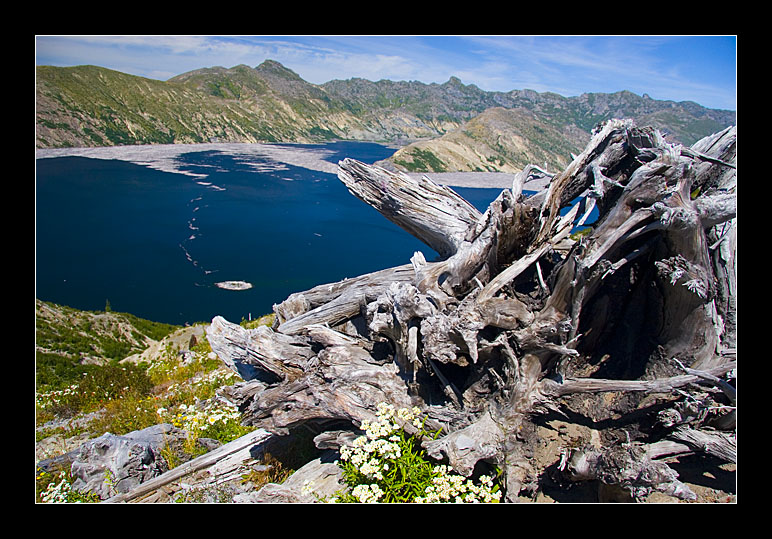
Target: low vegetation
121 397
70 344
419 160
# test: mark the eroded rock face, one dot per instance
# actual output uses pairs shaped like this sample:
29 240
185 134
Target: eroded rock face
113 464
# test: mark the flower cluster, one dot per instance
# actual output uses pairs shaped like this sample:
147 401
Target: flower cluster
57 492
450 487
196 420
54 397
386 464
370 454
60 490
367 493
203 385
217 378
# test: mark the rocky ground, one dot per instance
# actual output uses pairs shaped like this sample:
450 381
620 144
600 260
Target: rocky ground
712 480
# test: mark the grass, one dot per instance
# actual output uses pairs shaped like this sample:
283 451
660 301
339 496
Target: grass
97 387
422 161
129 397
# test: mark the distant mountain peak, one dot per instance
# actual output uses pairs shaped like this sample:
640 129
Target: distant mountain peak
272 67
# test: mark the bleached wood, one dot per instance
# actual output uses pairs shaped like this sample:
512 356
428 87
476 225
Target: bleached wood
432 213
239 446
721 445
480 338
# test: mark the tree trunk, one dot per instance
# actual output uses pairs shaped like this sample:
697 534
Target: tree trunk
518 318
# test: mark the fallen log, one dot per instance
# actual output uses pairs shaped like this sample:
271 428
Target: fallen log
629 467
225 459
518 318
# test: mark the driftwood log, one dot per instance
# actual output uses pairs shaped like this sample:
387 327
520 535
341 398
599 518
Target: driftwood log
519 318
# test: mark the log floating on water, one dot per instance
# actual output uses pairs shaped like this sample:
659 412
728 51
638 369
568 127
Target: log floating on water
234 285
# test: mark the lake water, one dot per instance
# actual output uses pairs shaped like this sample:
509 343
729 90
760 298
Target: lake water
154 241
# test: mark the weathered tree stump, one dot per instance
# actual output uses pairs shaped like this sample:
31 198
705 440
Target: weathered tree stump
519 318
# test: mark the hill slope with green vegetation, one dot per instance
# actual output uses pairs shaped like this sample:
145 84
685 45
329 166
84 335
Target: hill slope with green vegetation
70 342
87 106
107 372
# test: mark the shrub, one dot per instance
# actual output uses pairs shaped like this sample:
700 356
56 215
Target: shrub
388 465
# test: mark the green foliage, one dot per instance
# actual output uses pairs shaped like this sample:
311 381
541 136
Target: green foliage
422 160
321 134
98 386
388 465
53 371
224 428
154 330
580 233
266 320
130 413
211 419
64 339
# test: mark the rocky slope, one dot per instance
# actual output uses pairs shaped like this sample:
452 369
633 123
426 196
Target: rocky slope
497 140
92 106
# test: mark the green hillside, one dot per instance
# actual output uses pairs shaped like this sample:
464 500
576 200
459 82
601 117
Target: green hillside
87 106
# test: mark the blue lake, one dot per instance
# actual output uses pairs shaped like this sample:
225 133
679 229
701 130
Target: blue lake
154 243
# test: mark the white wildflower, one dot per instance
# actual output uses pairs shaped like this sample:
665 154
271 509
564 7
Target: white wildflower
367 493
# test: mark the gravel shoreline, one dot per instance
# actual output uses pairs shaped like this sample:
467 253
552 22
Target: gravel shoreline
485 180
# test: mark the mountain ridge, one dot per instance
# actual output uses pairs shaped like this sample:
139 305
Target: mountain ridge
86 106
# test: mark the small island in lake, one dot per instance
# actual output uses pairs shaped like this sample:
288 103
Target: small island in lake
234 285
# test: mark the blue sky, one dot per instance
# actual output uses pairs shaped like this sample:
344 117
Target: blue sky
679 68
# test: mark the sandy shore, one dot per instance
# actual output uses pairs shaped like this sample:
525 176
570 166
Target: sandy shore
487 180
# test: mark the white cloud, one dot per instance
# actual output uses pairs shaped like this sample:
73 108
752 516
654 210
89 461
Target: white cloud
568 65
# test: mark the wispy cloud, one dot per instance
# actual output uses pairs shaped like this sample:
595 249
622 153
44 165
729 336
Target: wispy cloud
665 67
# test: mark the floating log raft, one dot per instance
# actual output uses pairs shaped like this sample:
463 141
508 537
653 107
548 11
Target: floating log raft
519 318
